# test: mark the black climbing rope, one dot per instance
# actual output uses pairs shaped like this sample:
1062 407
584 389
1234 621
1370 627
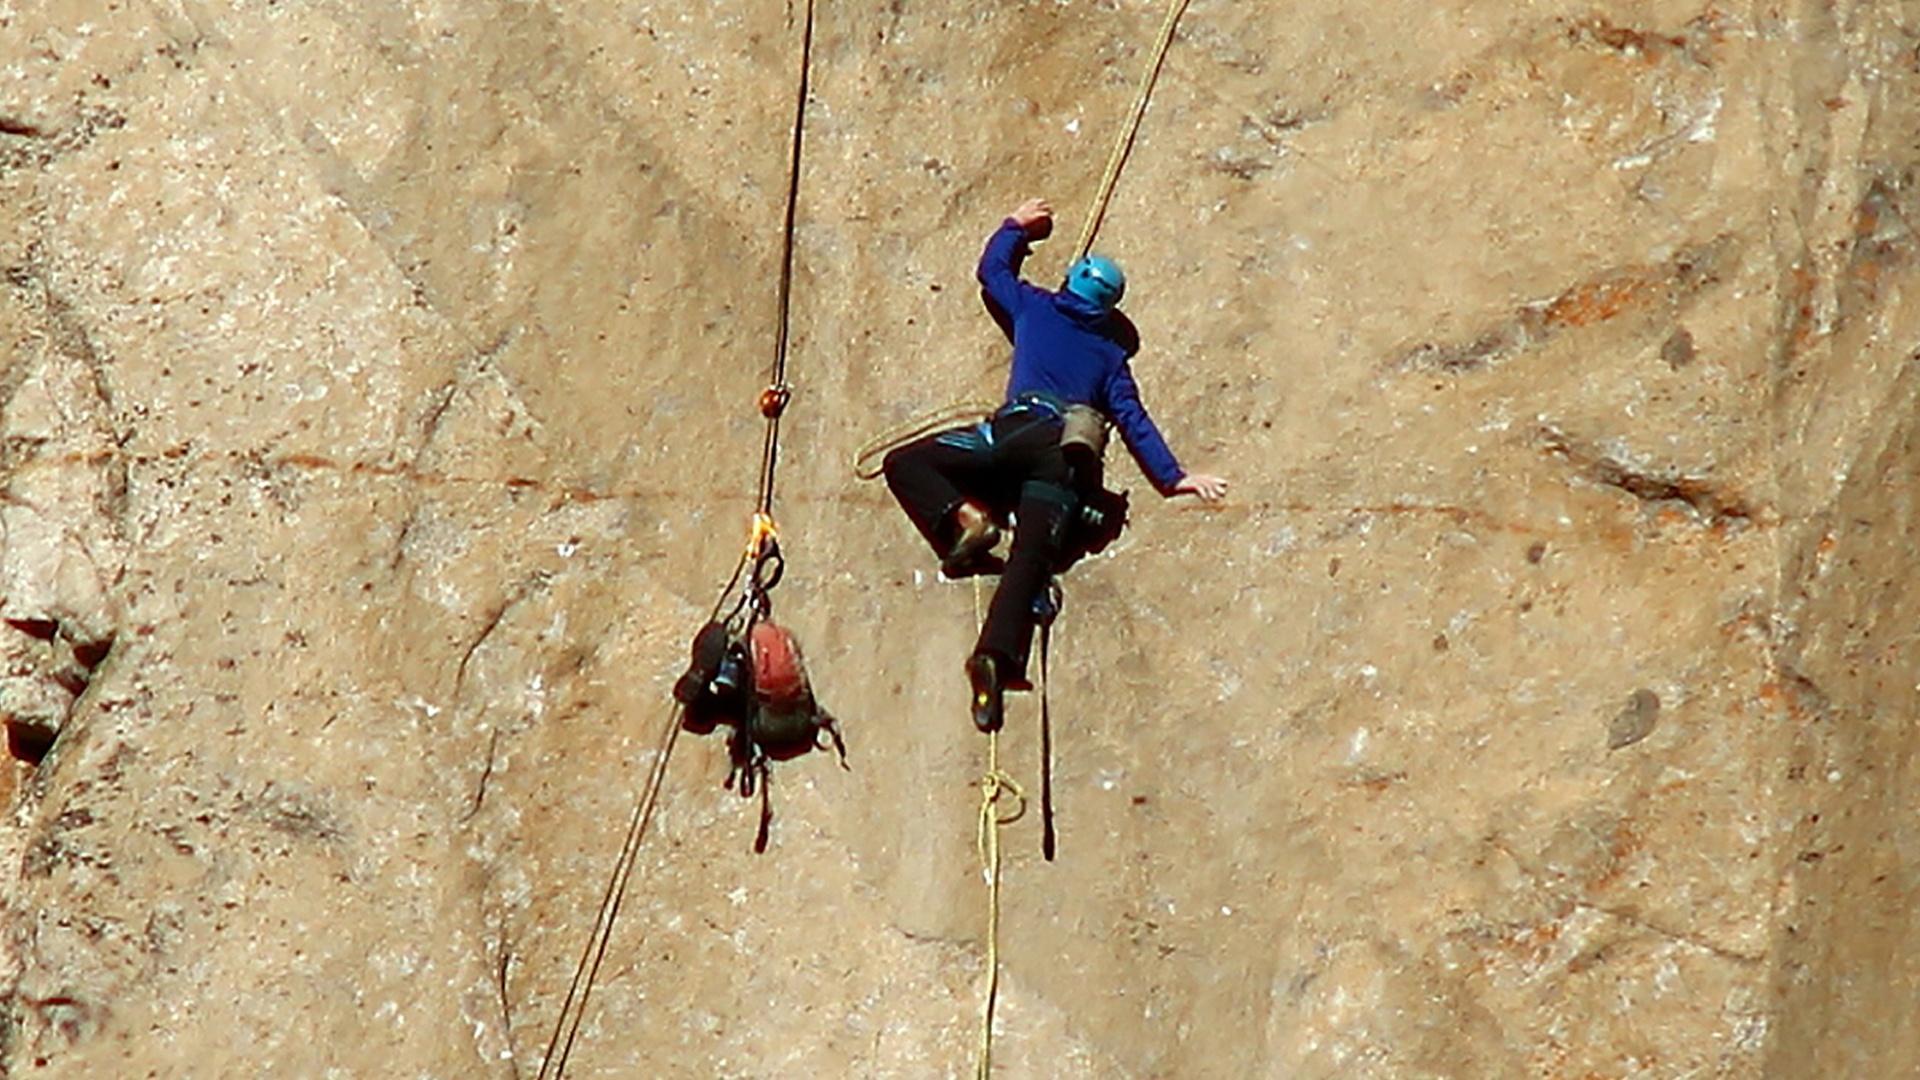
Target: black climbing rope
1050 607
773 400
573 1009
762 555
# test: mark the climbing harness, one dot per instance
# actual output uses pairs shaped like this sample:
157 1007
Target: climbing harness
726 652
1096 516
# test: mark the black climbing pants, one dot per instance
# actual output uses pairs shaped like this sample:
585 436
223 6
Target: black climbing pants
1012 462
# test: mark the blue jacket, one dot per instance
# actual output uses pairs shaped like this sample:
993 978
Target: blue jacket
1066 347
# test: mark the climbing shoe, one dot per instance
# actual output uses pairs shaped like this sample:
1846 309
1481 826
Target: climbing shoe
972 550
985 565
983 674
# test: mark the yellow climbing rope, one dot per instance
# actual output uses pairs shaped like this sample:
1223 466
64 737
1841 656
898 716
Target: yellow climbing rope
874 450
993 785
1175 8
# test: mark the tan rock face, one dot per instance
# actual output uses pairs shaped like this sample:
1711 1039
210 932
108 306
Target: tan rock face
377 415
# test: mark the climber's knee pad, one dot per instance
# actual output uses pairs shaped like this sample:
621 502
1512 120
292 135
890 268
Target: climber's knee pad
1048 492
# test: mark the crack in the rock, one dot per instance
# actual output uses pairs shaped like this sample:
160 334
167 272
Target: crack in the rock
1719 506
1566 902
1598 30
401 537
481 360
486 775
63 1013
562 491
68 336
293 812
506 1004
1805 698
565 493
30 277
71 338
39 147
529 585
493 623
941 940
1882 244
68 658
1679 937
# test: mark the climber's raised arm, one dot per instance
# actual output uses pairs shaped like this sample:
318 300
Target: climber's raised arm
999 269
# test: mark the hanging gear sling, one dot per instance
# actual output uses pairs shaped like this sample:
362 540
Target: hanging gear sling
747 673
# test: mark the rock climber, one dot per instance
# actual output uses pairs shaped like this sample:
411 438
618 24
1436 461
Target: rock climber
1070 348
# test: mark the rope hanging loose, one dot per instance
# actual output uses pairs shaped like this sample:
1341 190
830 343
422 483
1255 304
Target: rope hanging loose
994 784
1055 600
573 1008
1175 8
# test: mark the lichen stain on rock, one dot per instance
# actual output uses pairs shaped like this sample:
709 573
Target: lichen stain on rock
1671 285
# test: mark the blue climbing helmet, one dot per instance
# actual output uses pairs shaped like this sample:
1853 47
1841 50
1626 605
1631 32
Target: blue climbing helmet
1097 280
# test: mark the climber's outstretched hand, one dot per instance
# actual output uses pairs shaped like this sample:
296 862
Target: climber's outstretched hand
1209 488
1035 216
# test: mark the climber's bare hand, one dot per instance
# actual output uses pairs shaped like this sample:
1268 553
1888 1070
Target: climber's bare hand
1208 488
1035 216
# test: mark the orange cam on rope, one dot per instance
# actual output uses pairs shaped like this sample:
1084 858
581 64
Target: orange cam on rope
773 400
